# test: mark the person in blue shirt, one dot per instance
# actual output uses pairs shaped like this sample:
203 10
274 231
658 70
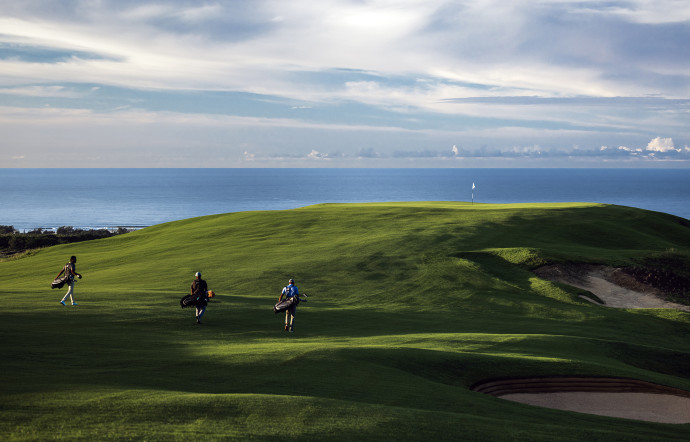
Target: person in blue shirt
290 291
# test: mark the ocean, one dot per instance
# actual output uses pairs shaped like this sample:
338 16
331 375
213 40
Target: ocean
110 198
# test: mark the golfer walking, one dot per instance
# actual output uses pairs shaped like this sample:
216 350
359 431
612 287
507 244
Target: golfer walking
200 292
290 291
70 270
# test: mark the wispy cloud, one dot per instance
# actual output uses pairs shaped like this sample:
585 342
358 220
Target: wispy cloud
45 91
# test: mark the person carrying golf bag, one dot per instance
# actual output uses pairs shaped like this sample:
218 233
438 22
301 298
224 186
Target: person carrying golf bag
70 271
199 292
291 293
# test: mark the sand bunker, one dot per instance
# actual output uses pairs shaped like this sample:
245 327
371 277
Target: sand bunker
609 284
622 398
648 407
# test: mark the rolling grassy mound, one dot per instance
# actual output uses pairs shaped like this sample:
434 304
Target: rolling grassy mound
410 305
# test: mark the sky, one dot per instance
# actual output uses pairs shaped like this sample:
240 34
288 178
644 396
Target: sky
344 83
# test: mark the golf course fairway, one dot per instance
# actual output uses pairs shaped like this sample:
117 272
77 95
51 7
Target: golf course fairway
410 305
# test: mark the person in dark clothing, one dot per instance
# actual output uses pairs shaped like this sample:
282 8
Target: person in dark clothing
70 270
200 292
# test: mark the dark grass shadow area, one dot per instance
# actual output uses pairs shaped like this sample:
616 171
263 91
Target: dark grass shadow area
234 352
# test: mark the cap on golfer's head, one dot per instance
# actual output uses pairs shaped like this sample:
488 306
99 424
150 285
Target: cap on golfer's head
291 281
197 274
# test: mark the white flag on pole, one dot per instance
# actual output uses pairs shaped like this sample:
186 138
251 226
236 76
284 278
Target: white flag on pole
472 186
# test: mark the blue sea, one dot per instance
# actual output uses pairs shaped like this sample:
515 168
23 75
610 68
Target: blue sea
109 198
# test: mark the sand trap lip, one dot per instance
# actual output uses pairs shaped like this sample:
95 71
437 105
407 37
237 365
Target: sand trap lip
613 397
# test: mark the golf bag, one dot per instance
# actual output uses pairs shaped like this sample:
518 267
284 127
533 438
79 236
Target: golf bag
58 283
284 305
194 300
189 301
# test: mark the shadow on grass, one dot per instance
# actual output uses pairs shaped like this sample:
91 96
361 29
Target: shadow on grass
245 350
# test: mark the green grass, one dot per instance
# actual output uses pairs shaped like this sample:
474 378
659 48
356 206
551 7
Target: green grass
410 305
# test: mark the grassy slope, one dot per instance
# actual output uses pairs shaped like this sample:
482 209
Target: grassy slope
411 304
